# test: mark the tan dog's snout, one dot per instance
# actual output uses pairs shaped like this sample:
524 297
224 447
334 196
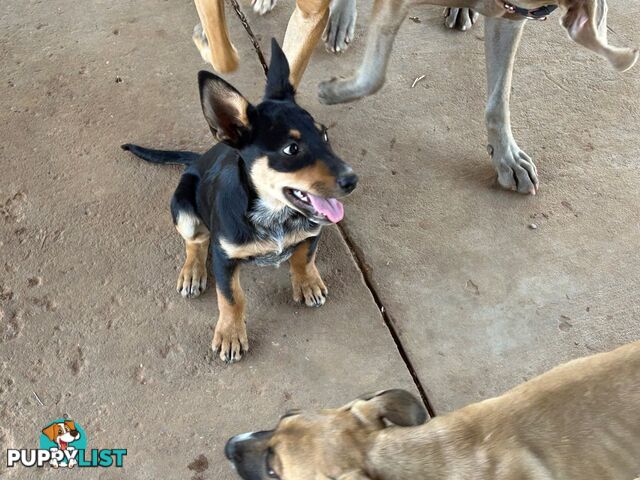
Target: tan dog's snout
247 452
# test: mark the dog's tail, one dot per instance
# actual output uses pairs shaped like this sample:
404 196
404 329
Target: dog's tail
163 157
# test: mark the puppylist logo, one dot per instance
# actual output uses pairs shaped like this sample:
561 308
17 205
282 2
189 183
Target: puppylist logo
63 444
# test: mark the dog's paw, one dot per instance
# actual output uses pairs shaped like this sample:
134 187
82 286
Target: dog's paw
460 18
263 6
309 288
192 280
341 25
336 90
516 170
202 44
230 340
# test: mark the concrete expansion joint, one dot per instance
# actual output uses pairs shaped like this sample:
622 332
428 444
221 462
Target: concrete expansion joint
388 321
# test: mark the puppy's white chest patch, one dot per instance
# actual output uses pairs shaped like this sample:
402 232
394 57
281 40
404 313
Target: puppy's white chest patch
277 232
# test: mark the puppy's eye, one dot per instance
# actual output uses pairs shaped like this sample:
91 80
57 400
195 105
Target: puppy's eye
291 149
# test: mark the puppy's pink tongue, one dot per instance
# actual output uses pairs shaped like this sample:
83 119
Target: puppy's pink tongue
329 207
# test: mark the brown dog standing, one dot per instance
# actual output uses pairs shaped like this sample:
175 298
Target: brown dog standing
580 421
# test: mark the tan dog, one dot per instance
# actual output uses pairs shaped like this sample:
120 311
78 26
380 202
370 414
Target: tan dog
333 20
580 421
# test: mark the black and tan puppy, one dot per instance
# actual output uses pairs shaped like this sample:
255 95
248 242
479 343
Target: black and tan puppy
261 195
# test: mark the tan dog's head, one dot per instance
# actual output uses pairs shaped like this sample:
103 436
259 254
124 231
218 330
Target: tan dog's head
586 23
328 445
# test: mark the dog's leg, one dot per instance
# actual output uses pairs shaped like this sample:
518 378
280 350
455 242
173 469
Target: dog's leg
263 6
303 33
212 36
460 18
192 280
306 282
193 277
341 26
386 18
515 169
230 334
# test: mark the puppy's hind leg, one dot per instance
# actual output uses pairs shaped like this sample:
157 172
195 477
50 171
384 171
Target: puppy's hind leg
460 18
192 280
516 170
386 18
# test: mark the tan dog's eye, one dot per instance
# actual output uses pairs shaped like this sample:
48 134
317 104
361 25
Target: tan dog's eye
271 473
291 149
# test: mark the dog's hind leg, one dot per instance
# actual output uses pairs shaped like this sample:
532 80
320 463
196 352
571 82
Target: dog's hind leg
192 279
212 36
303 33
460 18
386 18
516 170
306 282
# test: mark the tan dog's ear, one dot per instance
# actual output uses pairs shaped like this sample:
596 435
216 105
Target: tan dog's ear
51 432
586 23
355 475
396 406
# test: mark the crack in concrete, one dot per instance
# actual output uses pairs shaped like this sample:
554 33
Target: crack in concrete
364 271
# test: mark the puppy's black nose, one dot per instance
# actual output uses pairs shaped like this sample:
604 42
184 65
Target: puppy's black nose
348 182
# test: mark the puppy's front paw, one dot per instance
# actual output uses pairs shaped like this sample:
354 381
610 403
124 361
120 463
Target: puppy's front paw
516 170
460 18
341 25
192 280
263 6
230 339
309 288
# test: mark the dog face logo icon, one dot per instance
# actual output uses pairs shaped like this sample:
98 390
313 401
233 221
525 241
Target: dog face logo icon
63 443
65 436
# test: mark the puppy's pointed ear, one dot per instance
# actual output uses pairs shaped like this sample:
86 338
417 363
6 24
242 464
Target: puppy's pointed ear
278 85
396 406
227 112
586 23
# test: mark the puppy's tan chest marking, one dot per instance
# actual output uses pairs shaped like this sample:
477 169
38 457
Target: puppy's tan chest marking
279 249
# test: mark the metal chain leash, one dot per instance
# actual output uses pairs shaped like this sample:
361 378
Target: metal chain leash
252 37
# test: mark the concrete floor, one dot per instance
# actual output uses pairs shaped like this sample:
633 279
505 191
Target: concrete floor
90 319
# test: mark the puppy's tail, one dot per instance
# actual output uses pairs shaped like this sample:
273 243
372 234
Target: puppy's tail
164 157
